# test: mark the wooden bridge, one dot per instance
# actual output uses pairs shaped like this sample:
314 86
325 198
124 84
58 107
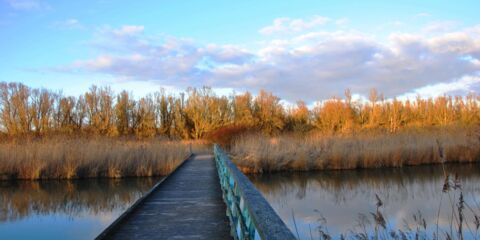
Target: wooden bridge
206 197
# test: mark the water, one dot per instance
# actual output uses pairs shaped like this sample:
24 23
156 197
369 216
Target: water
342 202
78 209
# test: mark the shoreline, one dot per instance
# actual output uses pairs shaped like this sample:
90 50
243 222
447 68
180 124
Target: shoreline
256 154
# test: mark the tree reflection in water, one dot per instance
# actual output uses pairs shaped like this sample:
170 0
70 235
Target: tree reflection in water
341 198
75 198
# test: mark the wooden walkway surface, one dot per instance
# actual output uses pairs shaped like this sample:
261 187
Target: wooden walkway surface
187 205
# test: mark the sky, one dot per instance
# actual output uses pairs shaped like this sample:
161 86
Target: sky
299 50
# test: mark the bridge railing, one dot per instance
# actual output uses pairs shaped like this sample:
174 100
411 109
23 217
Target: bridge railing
250 215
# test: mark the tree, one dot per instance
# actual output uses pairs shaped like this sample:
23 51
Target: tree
100 114
298 118
80 113
198 112
15 108
395 115
145 118
66 115
42 109
330 115
206 111
124 110
268 113
181 123
165 112
374 112
243 110
8 113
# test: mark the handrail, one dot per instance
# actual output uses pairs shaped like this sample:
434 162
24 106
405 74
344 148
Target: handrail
139 201
250 215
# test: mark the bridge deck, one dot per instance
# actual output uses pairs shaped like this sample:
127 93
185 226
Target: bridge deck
187 205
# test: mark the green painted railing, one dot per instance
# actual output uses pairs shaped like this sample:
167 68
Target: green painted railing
250 215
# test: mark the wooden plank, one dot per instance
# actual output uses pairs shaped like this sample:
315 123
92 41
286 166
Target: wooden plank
187 205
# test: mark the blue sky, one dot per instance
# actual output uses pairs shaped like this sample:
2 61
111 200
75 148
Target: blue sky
299 49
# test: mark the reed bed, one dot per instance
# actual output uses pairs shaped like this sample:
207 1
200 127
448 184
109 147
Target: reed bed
258 153
70 158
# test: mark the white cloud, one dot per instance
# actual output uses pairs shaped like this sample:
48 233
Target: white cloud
226 53
440 26
101 62
285 25
457 42
128 30
309 66
27 4
70 23
423 15
342 21
464 85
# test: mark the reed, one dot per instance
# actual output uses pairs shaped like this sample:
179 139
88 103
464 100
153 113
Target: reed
70 158
461 225
258 153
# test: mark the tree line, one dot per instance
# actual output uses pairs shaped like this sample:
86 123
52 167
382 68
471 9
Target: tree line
197 112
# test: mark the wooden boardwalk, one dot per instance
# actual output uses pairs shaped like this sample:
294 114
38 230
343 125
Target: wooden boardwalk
187 205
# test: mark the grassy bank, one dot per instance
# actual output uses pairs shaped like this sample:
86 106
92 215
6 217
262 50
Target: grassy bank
257 153
70 158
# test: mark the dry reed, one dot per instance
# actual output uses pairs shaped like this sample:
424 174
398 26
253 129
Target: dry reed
70 158
257 153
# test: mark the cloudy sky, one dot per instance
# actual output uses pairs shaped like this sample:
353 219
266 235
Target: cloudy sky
307 50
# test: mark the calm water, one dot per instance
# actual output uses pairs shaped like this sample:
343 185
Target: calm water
339 202
78 209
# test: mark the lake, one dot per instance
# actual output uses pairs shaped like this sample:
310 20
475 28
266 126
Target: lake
65 209
332 202
344 202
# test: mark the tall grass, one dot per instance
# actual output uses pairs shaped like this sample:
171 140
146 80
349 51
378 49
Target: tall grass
70 158
258 153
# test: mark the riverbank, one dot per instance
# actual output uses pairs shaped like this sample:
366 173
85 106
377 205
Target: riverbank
258 153
71 158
